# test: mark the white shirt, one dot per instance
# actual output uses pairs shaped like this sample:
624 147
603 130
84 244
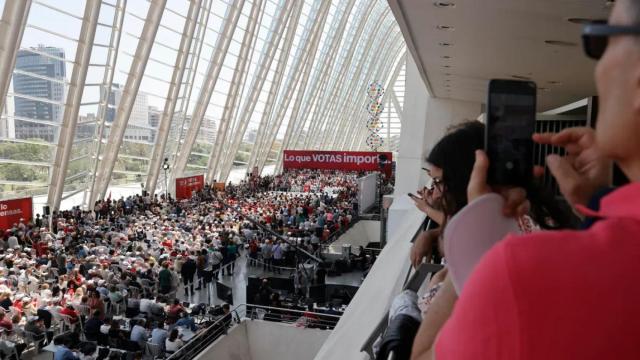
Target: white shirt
173 346
145 305
215 257
13 242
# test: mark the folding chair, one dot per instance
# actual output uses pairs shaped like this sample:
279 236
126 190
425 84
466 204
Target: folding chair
67 323
57 321
33 339
83 310
154 350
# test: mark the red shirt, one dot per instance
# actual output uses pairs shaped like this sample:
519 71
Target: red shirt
555 295
168 244
6 323
71 313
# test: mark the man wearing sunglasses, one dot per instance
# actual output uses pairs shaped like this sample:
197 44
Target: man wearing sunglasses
569 294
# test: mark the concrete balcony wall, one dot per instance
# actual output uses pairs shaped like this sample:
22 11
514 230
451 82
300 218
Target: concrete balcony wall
265 340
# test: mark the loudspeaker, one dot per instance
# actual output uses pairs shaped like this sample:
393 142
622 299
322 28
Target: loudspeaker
224 292
46 210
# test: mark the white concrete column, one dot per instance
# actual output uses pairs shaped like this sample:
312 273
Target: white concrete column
304 58
427 120
211 78
72 104
257 148
182 109
129 93
172 95
105 91
266 59
231 103
14 20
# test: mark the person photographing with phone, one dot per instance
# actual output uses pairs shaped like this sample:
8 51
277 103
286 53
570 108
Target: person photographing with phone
450 164
545 295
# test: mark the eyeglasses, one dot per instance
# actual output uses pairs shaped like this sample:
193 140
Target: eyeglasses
595 36
434 182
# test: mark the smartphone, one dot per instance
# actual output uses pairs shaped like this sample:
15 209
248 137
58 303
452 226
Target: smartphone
413 195
510 124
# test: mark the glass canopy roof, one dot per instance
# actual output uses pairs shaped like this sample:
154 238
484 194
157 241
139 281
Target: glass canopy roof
102 91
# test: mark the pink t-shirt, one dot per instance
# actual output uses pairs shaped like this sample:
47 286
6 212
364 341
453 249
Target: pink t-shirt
555 295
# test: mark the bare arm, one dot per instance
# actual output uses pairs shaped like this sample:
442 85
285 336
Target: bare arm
438 314
439 277
423 205
423 246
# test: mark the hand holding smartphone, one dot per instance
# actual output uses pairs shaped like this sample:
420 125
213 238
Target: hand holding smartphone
510 124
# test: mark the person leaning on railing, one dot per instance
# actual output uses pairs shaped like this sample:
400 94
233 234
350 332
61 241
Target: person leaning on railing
542 296
449 165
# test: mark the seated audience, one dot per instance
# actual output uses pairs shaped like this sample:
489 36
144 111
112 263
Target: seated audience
159 334
173 342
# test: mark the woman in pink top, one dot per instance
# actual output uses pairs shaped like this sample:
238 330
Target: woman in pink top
545 295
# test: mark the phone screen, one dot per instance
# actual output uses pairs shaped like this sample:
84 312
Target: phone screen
510 125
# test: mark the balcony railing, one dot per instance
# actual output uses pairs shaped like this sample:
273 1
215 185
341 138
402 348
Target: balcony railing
250 312
413 281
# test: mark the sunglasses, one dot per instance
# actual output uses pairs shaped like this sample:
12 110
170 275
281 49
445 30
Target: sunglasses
595 36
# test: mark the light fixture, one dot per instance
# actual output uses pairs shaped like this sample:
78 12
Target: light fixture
444 4
165 167
560 43
445 27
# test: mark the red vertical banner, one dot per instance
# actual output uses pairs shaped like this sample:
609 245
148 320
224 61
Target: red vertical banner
11 211
187 185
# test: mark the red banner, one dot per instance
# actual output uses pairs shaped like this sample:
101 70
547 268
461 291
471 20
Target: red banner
11 211
187 185
337 160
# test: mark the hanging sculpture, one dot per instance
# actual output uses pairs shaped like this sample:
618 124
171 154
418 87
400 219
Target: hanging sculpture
375 91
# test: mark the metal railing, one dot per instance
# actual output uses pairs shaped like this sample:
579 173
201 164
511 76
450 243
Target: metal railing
413 281
222 325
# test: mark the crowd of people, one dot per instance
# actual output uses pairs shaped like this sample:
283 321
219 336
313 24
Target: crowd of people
114 275
540 292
